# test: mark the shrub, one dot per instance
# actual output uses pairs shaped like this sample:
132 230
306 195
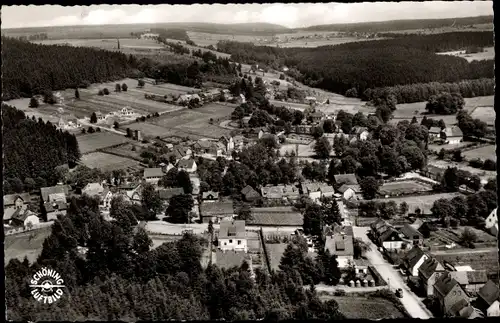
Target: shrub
105 91
490 164
476 163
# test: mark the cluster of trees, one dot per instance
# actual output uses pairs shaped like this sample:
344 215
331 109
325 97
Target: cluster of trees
122 278
453 178
171 33
429 122
445 103
385 210
488 164
31 69
410 93
469 210
33 149
471 127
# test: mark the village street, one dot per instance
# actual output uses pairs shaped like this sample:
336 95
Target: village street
411 302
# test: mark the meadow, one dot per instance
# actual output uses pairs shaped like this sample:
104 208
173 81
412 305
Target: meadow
99 140
27 244
403 187
108 162
483 174
108 44
486 152
489 53
423 202
485 114
361 307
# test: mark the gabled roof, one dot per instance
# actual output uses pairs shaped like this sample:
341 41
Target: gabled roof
388 233
410 231
153 172
52 207
360 130
10 199
417 224
459 305
489 293
248 189
444 284
21 214
453 131
413 256
46 191
349 179
232 229
206 195
429 267
477 276
168 193
186 163
340 245
435 130
346 187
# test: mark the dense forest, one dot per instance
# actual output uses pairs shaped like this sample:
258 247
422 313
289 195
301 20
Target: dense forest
379 63
33 150
30 69
121 278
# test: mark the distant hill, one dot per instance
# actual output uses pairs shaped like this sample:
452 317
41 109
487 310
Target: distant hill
396 25
113 31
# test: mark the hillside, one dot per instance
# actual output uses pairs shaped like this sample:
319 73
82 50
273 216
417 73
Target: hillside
395 25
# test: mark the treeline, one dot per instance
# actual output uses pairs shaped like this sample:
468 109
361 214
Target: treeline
419 92
33 150
373 64
171 33
121 278
30 69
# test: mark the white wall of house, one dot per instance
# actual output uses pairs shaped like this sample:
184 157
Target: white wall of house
33 219
106 200
494 309
453 140
153 180
233 244
315 195
392 245
414 270
349 194
345 261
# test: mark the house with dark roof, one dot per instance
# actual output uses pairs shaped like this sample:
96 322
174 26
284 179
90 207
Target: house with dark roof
283 216
210 196
390 239
54 208
317 190
231 258
414 259
488 299
22 217
232 235
216 211
471 280
452 135
249 194
153 175
412 235
187 165
342 246
452 298
349 192
13 203
428 272
470 312
204 146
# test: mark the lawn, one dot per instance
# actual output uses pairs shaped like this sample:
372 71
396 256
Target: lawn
149 129
371 308
27 244
402 187
424 202
303 150
107 162
126 150
98 140
489 53
275 251
486 152
486 114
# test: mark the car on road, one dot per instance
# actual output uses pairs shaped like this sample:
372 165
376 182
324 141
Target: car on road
399 292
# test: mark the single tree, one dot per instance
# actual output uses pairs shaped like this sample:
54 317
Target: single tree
91 130
141 83
116 125
118 88
369 186
179 209
33 103
124 87
77 94
105 91
93 118
322 148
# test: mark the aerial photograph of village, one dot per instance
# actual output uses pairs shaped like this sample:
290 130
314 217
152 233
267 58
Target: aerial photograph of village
249 161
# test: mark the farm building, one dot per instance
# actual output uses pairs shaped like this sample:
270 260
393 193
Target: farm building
216 211
131 193
452 135
92 189
491 223
414 259
22 217
488 299
412 235
249 194
153 175
434 134
187 165
232 235
390 239
428 272
452 298
97 189
13 203
68 123
275 217
349 192
54 208
228 143
471 280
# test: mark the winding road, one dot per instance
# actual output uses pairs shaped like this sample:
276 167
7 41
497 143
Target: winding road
410 301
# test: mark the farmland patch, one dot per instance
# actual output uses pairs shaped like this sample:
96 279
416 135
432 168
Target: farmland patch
485 114
486 152
371 308
479 261
107 162
403 187
99 140
489 53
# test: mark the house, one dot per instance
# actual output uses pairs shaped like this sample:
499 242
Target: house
488 299
216 211
452 298
428 272
100 116
471 281
106 198
54 193
188 165
22 217
362 133
342 246
348 179
433 172
280 192
391 240
55 208
210 196
204 146
317 190
491 223
470 312
69 123
132 193
13 203
283 216
232 235
249 194
361 266
153 175
414 259
452 135
411 234
231 258
349 192
126 111
417 224
167 193
434 134
316 117
239 142
228 143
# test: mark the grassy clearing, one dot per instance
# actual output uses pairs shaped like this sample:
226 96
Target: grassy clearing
486 114
148 129
489 53
275 251
92 142
486 152
424 202
371 308
27 244
126 150
303 151
107 162
404 187
483 174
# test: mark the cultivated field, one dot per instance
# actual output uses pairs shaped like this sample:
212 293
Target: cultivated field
489 53
27 244
371 308
206 39
485 114
424 202
126 150
454 234
98 140
403 187
108 44
486 152
107 162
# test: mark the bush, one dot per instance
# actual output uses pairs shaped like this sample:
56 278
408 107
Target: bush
101 92
282 76
476 163
105 91
490 165
124 87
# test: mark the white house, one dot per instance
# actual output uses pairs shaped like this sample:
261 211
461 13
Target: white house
341 245
349 192
414 259
452 135
188 165
33 219
126 111
153 175
106 198
491 223
232 235
434 133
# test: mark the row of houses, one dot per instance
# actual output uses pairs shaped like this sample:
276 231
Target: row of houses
391 238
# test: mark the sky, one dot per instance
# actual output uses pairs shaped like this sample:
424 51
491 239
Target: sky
288 15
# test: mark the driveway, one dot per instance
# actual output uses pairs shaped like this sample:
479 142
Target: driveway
410 301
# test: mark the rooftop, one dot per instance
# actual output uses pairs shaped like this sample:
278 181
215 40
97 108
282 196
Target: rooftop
186 163
453 131
340 245
489 292
47 191
430 266
444 284
232 229
409 231
153 172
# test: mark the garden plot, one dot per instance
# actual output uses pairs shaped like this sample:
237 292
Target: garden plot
149 129
108 162
303 150
403 187
486 152
371 308
126 150
483 174
99 140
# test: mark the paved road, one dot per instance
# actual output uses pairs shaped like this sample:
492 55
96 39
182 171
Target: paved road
411 302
